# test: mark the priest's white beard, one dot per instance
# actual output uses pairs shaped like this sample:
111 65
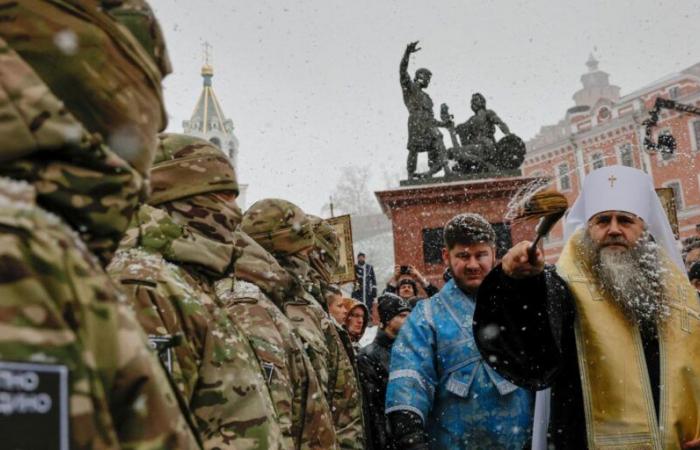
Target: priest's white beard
633 277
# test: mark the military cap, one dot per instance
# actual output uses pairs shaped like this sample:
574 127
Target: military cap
281 227
138 17
97 67
325 238
185 166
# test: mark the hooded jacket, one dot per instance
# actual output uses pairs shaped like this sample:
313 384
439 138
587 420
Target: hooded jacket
305 417
58 306
213 366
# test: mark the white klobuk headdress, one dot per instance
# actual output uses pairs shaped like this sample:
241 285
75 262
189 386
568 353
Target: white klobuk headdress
622 188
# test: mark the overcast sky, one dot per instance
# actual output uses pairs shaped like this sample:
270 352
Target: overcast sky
312 85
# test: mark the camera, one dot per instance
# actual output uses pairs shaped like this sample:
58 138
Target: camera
404 270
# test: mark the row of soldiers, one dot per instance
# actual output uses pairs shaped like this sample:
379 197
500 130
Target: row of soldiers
182 322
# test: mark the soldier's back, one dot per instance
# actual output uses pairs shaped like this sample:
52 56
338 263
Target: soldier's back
60 311
304 413
213 367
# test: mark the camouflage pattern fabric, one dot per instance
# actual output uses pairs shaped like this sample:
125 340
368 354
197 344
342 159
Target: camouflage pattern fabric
106 78
205 167
279 226
271 223
138 17
325 255
209 216
343 387
304 413
75 175
284 230
59 307
214 368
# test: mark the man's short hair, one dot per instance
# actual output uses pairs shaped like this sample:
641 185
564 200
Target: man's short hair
690 244
694 272
468 229
361 254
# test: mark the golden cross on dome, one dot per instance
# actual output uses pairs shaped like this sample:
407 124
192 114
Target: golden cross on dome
612 180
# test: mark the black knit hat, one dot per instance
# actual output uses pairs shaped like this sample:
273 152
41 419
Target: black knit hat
391 305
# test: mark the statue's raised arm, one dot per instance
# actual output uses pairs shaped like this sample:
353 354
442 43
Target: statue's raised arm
406 83
423 133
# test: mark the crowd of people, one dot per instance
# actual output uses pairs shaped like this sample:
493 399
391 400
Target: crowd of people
163 316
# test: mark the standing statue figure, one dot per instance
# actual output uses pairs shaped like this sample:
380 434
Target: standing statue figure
423 133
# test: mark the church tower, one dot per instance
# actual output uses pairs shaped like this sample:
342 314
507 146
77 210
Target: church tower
209 122
596 86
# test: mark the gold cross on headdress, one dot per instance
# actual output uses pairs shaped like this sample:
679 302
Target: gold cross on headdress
612 180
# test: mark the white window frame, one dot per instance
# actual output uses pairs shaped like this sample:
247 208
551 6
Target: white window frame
691 134
619 153
558 176
680 192
592 160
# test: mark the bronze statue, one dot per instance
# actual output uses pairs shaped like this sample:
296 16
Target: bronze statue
423 133
479 151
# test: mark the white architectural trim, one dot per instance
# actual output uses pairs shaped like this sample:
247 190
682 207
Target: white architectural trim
667 183
592 159
557 176
618 152
692 136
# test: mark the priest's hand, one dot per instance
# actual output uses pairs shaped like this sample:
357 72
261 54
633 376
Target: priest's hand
515 262
691 444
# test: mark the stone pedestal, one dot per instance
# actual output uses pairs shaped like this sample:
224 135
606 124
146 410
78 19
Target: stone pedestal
419 212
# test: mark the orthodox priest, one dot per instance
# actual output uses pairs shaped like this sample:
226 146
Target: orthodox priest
613 330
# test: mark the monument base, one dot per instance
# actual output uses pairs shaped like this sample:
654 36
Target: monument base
419 211
460 177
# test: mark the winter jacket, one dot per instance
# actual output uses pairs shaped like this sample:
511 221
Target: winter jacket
365 289
438 375
373 363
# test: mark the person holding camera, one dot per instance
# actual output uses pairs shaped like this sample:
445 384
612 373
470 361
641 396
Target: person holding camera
404 283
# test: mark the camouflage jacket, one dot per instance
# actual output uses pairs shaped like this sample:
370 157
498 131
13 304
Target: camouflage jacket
343 390
305 416
59 308
57 305
213 367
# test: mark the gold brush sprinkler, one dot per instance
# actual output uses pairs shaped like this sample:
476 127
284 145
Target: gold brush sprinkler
548 207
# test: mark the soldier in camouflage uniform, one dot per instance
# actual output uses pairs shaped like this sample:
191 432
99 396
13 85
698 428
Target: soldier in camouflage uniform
306 419
324 259
214 367
284 230
70 76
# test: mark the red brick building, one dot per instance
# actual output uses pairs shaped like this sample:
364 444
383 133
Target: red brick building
418 214
603 128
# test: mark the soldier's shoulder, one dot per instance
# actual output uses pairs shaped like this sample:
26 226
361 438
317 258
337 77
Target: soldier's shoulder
19 212
136 264
35 237
236 291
